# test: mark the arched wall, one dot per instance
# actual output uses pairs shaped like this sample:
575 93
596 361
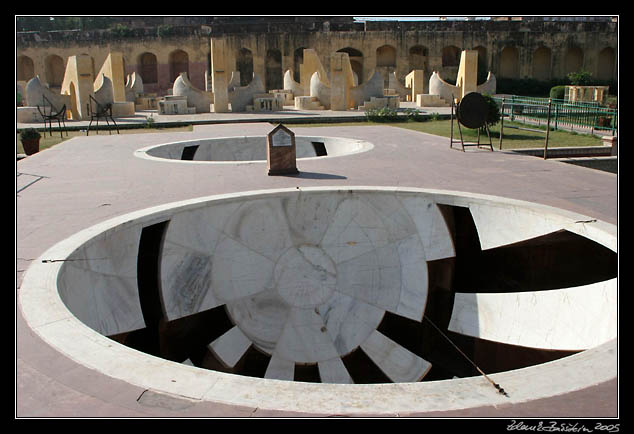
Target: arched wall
591 38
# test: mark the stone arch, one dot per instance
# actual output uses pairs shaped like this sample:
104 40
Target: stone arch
148 68
418 58
244 65
54 70
607 62
542 63
25 68
451 56
573 60
273 70
386 56
510 62
356 61
298 59
386 62
178 62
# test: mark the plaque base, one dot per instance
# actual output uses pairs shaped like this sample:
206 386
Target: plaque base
285 171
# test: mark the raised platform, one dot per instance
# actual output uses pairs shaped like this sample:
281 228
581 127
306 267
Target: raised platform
88 184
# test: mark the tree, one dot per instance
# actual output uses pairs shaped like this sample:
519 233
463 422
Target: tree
580 78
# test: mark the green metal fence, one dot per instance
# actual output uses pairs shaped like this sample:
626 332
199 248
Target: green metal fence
573 116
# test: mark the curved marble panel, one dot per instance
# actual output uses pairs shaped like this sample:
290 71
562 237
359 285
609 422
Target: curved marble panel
489 86
133 86
292 85
320 90
98 282
242 96
365 91
195 97
563 319
104 90
438 86
35 90
251 148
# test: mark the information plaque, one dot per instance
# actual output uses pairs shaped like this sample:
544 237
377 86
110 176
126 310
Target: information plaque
280 151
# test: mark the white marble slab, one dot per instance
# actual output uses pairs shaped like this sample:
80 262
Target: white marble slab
398 363
501 225
238 271
98 282
348 321
280 369
334 371
186 274
260 225
305 338
230 347
261 317
307 275
564 319
431 226
187 258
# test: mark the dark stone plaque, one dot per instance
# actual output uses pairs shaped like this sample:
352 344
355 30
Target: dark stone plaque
280 151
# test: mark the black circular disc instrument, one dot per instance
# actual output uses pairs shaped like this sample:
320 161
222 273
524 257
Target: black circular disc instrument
472 110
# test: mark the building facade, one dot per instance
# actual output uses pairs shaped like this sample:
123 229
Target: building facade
268 46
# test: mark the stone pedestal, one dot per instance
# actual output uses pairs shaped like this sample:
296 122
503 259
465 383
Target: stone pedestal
613 142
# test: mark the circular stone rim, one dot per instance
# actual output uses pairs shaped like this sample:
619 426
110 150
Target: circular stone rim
47 316
143 152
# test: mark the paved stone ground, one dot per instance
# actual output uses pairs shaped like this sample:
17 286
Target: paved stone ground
87 180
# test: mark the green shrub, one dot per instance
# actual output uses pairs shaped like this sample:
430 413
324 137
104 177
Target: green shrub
581 78
29 134
164 30
527 86
558 92
149 122
383 114
493 117
412 114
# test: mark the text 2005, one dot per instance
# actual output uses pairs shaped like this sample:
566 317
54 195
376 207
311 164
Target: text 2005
607 428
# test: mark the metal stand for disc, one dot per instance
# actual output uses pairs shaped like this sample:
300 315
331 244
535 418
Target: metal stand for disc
454 109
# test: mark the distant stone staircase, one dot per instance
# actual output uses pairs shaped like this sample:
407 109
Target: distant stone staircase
308 103
426 100
391 101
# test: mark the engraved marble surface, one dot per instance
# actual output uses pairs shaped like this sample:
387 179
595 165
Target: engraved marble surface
307 277
98 282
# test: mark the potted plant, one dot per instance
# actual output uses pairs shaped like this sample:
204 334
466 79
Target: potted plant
30 138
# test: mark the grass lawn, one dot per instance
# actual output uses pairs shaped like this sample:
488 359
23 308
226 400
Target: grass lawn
513 138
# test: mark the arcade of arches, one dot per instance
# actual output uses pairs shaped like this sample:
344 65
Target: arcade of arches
159 64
